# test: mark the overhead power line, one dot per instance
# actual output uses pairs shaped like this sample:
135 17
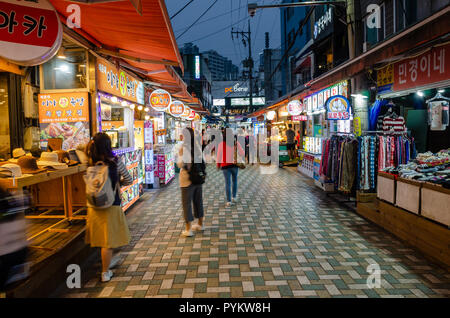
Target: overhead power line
181 9
198 19
218 31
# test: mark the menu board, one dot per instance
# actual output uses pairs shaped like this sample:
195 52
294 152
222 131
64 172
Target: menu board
64 116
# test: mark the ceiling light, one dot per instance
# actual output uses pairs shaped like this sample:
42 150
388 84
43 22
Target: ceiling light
441 91
140 107
146 109
420 93
147 117
124 104
132 106
114 99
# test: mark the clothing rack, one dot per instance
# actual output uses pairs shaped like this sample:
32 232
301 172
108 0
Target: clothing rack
382 132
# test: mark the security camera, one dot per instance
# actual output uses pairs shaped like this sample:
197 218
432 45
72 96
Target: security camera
252 9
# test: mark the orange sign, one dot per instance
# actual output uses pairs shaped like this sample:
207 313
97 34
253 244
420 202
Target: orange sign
63 107
160 99
115 81
176 108
161 132
107 125
186 113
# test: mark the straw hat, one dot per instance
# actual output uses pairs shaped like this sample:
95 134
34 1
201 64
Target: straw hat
16 154
10 170
50 159
29 165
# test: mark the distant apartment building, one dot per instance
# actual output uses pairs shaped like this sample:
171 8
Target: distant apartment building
222 69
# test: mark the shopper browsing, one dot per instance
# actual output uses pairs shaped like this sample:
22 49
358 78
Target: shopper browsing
107 228
192 176
290 135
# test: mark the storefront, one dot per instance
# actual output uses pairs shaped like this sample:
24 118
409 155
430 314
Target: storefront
119 104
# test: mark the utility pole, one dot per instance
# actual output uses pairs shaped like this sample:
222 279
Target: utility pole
246 38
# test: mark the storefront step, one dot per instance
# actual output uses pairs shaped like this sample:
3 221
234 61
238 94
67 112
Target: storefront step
429 237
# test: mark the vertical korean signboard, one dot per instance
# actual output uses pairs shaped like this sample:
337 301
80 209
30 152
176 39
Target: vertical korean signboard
428 68
65 116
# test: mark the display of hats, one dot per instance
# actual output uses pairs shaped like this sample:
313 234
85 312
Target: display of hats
50 160
10 170
29 165
16 154
36 152
63 157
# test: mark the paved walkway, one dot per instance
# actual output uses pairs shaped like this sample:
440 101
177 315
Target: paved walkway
284 238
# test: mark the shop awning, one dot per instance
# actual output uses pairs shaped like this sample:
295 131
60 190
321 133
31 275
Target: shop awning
144 42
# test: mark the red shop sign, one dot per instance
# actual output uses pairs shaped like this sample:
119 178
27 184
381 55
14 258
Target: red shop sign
300 118
30 31
427 68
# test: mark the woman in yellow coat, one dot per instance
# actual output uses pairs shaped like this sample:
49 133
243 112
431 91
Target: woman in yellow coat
108 228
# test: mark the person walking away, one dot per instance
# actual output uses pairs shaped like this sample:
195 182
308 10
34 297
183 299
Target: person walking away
191 190
290 135
107 228
225 162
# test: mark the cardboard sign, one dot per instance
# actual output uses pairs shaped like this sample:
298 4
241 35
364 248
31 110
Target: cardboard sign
30 31
115 81
159 100
338 108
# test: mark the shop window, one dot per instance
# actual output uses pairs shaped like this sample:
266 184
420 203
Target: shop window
405 12
67 70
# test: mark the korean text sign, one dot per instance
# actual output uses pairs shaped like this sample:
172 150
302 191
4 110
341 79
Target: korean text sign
338 108
115 81
30 31
63 107
429 67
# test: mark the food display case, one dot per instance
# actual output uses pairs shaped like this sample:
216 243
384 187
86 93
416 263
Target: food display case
165 163
132 159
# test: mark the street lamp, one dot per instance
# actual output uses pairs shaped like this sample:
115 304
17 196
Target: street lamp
253 6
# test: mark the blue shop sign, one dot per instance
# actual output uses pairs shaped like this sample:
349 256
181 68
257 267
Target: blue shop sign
338 108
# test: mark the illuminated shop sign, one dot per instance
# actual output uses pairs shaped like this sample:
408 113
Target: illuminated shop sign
338 108
197 67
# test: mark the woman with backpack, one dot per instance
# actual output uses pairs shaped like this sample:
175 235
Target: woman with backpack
227 162
192 176
107 228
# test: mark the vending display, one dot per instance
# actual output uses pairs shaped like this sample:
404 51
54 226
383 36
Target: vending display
165 163
133 162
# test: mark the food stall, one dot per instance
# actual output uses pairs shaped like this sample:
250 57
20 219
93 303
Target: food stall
119 96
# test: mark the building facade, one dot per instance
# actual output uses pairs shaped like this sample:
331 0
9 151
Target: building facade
222 69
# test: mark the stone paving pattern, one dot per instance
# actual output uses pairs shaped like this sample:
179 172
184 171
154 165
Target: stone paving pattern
284 238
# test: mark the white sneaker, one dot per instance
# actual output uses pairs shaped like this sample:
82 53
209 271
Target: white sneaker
228 204
187 233
197 227
106 276
234 200
114 261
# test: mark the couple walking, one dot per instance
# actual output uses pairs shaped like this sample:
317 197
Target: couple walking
192 189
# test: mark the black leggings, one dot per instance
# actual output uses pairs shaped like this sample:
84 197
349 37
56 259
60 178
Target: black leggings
7 263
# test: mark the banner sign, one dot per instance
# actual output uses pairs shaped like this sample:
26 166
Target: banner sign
294 107
115 81
300 118
64 116
317 100
428 68
357 126
148 152
160 99
338 108
30 31
176 108
385 79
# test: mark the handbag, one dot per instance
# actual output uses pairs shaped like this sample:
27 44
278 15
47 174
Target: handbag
239 165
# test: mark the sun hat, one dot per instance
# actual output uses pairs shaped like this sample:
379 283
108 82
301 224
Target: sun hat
29 165
82 156
16 154
10 170
50 159
63 157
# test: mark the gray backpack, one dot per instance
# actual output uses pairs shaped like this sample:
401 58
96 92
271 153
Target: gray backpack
99 191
